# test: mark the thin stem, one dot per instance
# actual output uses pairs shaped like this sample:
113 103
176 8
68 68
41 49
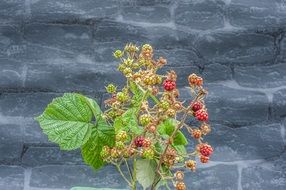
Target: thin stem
167 186
151 95
134 175
129 171
178 127
122 174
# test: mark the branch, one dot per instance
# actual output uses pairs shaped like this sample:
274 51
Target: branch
201 93
122 174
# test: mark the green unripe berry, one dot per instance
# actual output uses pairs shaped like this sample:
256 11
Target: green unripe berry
127 71
125 90
148 153
158 79
147 47
135 66
111 88
121 67
105 152
114 153
145 119
122 97
128 62
111 114
164 105
147 81
118 54
119 145
126 153
121 136
179 159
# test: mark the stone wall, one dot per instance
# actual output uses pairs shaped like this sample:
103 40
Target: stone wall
48 47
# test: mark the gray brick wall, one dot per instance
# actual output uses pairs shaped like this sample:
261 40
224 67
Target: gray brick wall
48 47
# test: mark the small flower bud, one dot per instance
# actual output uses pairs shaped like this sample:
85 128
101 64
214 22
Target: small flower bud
118 54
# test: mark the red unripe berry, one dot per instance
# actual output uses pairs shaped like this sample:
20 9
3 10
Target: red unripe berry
202 115
169 85
152 128
197 106
205 129
204 159
199 81
179 175
205 150
192 79
146 143
196 133
180 186
139 141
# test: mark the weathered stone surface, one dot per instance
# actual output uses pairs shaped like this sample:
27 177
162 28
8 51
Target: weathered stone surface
103 52
179 57
267 175
56 177
11 177
11 143
216 72
261 141
10 40
20 109
163 38
33 134
256 14
37 156
24 104
12 74
283 48
72 77
11 11
201 15
72 11
233 106
261 77
66 38
110 31
236 48
213 178
147 14
279 104
144 2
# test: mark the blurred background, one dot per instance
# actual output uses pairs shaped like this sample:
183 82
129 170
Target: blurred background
48 47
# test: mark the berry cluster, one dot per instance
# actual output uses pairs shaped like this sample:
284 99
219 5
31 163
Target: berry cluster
154 100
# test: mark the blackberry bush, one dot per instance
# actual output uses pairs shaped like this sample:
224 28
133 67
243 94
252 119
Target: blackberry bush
141 127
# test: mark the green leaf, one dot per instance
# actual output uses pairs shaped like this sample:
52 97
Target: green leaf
90 188
67 121
101 135
138 95
128 122
181 150
145 172
95 108
168 127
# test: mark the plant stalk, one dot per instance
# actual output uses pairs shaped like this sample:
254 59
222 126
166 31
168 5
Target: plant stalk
178 127
122 174
134 175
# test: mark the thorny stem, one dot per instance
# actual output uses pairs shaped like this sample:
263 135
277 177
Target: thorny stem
182 122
